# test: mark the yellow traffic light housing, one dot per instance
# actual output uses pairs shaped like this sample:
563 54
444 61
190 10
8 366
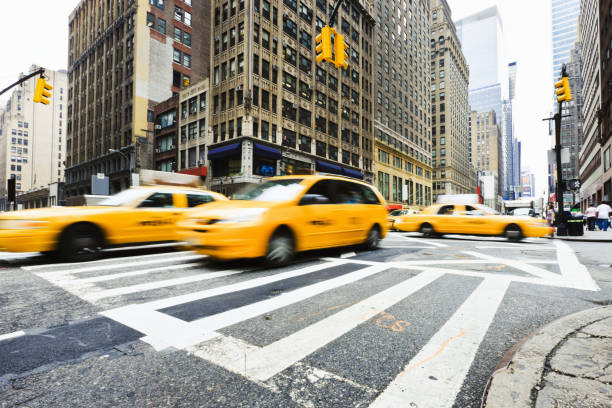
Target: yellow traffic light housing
324 41
41 93
563 90
340 48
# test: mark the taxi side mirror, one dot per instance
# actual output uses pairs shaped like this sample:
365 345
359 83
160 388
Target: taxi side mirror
310 199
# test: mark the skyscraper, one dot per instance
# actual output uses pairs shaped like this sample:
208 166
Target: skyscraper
123 58
564 31
32 138
274 109
481 41
508 143
452 172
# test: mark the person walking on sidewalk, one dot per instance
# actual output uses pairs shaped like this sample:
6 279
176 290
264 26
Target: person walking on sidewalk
603 213
591 214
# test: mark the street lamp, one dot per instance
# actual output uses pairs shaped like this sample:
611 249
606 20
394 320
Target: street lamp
129 161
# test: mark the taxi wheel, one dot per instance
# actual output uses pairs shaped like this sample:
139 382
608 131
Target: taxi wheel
80 243
373 239
513 233
427 230
280 248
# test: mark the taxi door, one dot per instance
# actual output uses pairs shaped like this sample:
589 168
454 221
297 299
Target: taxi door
474 221
321 216
355 212
447 220
156 216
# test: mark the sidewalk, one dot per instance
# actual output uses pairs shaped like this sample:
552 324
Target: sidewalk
566 364
591 236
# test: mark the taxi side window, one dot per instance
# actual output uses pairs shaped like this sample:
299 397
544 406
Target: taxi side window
348 193
368 195
321 192
198 199
446 210
158 200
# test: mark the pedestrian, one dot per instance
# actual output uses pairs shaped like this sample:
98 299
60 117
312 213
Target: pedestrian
591 214
550 216
603 213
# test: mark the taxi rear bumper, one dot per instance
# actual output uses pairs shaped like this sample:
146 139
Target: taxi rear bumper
27 240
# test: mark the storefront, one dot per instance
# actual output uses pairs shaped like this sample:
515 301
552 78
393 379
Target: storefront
326 167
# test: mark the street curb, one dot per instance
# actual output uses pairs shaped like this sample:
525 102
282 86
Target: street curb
513 385
583 240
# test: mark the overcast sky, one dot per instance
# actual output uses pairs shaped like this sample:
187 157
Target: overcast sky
36 32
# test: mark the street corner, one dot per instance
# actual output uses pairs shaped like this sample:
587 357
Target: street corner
567 363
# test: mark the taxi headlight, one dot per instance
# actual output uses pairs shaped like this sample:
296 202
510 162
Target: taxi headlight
240 216
21 224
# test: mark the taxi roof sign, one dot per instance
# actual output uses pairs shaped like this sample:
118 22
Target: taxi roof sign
156 178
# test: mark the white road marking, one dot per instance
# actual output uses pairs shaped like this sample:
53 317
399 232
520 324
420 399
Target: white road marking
434 376
12 335
177 333
523 266
125 290
522 248
121 265
104 278
423 241
348 255
406 246
100 261
572 269
146 246
263 363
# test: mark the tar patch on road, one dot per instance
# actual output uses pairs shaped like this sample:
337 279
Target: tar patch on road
62 344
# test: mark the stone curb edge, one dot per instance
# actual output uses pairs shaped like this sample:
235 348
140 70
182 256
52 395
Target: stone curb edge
583 240
512 384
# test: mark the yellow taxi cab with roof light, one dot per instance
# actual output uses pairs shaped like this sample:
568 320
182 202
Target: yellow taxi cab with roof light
396 215
471 219
288 214
136 215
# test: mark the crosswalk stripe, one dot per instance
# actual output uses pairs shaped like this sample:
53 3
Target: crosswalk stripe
434 376
104 278
101 262
263 363
125 290
159 330
12 335
572 269
523 266
121 265
423 241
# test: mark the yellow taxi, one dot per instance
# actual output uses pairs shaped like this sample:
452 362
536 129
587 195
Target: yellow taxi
288 214
396 215
136 215
471 219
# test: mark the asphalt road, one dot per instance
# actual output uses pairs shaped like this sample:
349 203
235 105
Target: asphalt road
417 323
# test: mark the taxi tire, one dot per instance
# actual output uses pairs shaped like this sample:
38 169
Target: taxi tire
281 248
74 237
373 239
513 232
427 230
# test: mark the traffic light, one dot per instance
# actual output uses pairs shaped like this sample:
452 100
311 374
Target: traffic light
563 90
340 50
324 41
41 93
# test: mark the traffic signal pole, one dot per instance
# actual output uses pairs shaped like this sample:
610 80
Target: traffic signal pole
39 71
560 221
332 17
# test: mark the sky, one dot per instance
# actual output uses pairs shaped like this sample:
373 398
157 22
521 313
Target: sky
40 32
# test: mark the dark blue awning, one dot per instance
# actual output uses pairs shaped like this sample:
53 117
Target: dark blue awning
225 151
352 173
266 151
328 167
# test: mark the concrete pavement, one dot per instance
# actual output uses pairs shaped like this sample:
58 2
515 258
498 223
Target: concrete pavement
591 236
567 363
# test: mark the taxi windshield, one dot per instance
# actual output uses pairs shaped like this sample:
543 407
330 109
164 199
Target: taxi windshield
122 198
273 190
397 212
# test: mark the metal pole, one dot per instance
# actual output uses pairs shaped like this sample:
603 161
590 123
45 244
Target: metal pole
332 17
560 221
40 71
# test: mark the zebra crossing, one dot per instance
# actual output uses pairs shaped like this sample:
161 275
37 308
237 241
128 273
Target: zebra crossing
177 300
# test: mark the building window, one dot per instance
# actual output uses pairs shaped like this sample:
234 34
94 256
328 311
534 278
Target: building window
161 26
